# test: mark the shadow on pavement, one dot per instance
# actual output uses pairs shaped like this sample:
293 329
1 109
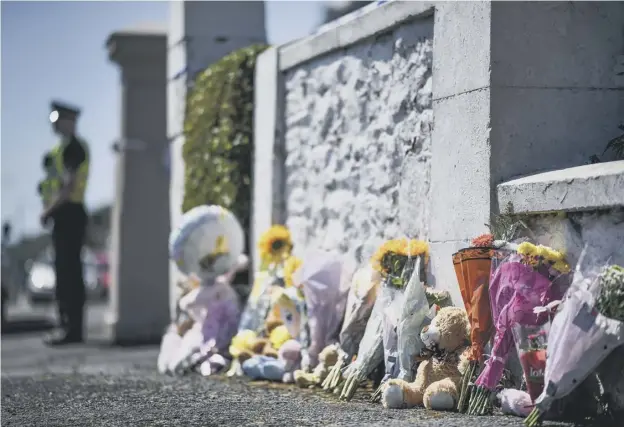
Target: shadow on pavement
27 325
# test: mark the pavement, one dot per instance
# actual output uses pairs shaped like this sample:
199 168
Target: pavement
94 384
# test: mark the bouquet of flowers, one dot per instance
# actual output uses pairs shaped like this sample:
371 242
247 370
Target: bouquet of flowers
360 302
587 328
275 247
531 345
406 308
472 268
369 355
530 277
321 281
399 263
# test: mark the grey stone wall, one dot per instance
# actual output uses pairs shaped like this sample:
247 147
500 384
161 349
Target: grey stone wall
601 232
358 143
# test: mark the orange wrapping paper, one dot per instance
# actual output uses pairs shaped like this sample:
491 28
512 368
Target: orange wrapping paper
472 268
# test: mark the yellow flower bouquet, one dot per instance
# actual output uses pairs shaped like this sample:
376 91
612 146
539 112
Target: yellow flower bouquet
395 259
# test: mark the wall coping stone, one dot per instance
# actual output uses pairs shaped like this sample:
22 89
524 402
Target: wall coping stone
374 21
582 188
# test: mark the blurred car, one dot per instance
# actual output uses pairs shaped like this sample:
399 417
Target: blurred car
41 282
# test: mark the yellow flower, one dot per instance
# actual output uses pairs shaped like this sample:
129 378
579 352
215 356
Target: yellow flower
526 248
241 342
279 336
404 247
562 267
291 265
545 254
275 244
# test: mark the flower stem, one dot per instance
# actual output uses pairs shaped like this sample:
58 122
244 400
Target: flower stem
534 419
461 405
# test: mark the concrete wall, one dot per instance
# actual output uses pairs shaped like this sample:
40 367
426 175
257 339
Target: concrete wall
200 33
516 88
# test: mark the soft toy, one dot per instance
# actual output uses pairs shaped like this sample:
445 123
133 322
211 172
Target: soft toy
438 378
207 247
262 367
515 402
327 359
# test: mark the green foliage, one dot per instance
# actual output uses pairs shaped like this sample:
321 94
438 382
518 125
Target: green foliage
218 130
506 226
617 145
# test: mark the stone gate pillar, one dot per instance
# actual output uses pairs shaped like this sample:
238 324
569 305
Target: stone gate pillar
139 295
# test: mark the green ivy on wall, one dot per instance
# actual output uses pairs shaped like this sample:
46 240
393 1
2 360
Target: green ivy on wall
218 130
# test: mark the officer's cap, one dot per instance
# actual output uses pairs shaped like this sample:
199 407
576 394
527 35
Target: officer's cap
62 111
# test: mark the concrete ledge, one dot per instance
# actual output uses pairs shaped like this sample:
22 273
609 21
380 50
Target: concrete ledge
377 20
582 188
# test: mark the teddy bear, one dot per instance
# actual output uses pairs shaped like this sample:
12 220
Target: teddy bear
438 377
327 358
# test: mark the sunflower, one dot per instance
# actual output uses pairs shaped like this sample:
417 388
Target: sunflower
275 244
393 254
291 265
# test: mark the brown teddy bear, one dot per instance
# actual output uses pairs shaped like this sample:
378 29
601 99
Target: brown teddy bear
438 377
327 358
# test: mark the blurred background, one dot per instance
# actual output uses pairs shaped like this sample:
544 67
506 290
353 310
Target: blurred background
55 50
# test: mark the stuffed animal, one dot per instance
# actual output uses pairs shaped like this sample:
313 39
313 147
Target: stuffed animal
262 367
327 358
438 377
515 402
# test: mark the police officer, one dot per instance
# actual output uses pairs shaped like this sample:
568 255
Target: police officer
71 163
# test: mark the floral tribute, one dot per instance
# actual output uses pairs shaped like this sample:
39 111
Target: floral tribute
275 245
527 278
395 259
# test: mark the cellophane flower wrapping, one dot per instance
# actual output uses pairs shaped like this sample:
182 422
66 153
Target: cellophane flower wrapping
414 310
360 301
255 311
531 343
370 351
392 300
580 337
325 290
473 268
516 289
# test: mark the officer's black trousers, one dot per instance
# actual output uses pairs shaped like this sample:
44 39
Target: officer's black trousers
70 224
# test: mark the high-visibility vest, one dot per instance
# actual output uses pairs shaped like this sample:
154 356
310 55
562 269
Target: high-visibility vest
49 189
77 195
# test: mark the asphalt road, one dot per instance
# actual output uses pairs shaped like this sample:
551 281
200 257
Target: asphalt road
97 385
